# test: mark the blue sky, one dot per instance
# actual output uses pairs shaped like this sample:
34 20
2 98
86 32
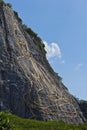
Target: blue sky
62 25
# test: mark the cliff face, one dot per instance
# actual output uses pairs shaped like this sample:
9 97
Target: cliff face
28 85
83 107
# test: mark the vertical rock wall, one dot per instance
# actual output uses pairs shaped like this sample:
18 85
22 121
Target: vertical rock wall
28 85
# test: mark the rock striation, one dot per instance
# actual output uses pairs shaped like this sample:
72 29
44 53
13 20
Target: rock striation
28 85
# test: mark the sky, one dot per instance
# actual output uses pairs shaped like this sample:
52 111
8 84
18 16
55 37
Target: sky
62 25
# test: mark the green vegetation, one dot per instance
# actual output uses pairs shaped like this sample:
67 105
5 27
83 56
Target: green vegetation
36 38
16 15
9 5
12 122
83 107
4 122
83 101
2 2
6 4
59 78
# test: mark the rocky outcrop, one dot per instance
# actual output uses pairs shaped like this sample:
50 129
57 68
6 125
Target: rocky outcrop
83 107
28 85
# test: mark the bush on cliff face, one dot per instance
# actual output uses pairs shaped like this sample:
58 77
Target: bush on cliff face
2 2
36 38
16 15
9 5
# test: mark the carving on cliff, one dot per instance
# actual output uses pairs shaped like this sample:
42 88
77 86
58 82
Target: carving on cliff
28 85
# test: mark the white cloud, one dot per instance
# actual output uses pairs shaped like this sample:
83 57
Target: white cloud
78 66
53 50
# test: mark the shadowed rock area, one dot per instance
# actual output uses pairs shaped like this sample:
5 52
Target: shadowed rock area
28 85
83 107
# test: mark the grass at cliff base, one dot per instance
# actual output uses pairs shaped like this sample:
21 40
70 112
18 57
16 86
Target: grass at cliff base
9 121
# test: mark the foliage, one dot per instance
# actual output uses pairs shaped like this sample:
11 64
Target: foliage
83 107
4 122
2 2
16 15
26 124
82 101
30 31
9 5
59 77
35 37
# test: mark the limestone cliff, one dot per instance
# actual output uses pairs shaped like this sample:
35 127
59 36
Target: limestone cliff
28 85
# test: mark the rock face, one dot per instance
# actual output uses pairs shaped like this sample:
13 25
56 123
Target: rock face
28 85
83 107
